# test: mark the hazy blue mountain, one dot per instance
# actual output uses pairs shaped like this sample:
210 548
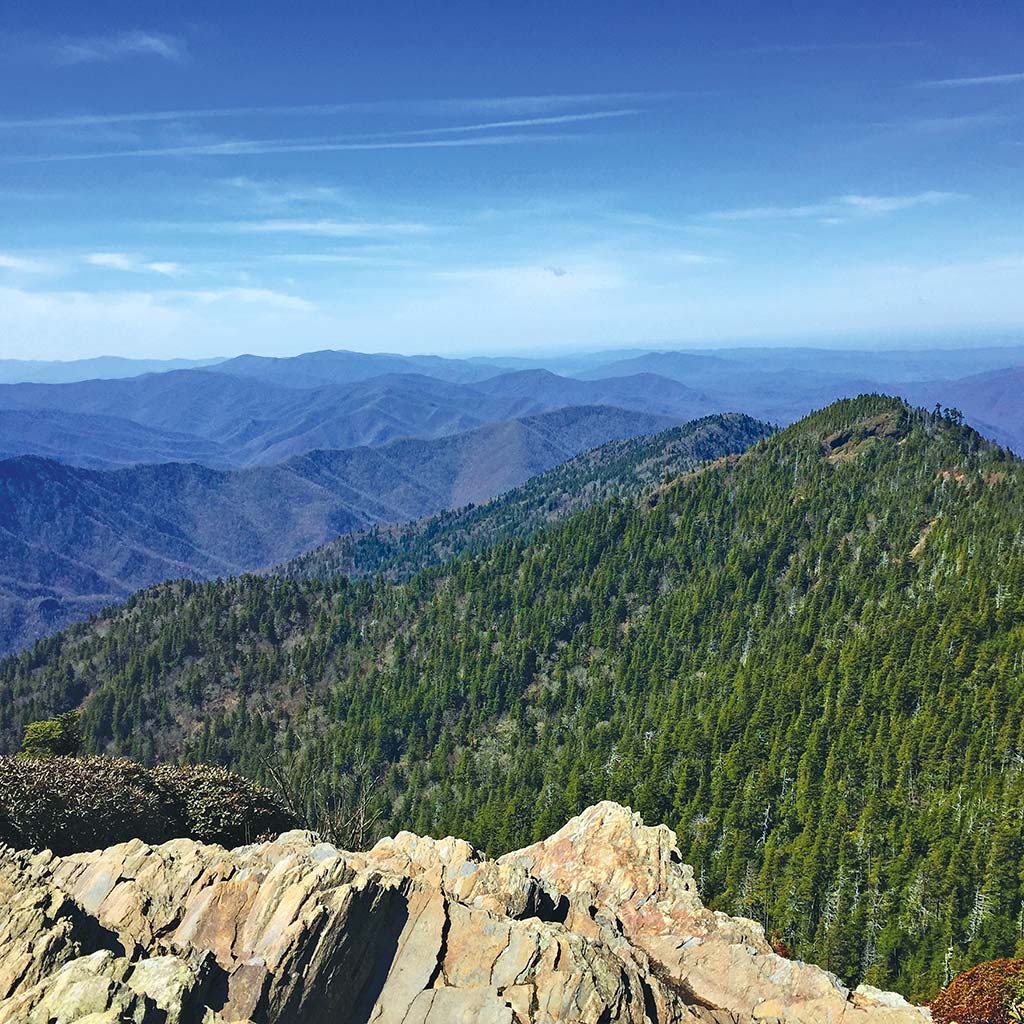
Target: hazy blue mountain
72 540
96 441
893 365
338 366
15 371
681 366
756 379
993 402
197 402
568 364
228 420
533 390
256 411
783 384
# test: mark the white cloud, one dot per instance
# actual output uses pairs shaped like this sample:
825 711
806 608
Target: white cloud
554 281
111 261
66 324
251 147
954 124
834 210
506 104
595 302
327 228
529 122
119 45
24 264
686 257
268 193
1013 78
166 267
371 258
890 204
130 264
264 297
909 44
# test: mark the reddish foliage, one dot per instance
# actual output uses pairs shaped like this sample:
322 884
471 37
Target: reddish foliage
980 995
778 944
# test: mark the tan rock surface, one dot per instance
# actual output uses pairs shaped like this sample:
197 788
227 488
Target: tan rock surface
599 923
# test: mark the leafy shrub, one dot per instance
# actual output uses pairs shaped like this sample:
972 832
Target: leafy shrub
216 806
68 804
989 993
53 736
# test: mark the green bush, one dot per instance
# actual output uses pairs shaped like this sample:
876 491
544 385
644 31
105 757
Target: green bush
53 736
214 805
68 804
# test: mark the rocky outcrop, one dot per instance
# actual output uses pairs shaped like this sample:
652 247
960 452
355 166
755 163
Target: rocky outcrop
599 923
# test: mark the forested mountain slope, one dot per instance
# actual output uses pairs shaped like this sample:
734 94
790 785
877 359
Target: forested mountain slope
73 540
806 659
992 401
622 468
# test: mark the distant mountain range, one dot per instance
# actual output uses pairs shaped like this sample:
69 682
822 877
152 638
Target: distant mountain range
74 539
45 371
224 420
246 462
993 402
258 411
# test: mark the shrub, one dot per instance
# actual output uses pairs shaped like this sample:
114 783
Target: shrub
68 804
989 993
217 806
53 736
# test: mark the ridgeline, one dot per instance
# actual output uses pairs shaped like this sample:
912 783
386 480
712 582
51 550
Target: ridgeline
806 659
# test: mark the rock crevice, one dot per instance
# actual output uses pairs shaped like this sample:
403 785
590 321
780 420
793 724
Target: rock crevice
599 923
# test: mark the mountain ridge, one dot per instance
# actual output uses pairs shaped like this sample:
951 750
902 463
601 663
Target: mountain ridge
788 655
627 467
77 539
259 410
245 421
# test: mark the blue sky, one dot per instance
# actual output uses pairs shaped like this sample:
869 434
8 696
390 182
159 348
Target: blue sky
200 179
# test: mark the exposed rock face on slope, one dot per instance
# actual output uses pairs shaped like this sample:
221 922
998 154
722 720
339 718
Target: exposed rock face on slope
599 923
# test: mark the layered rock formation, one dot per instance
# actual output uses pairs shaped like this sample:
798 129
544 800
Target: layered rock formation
599 923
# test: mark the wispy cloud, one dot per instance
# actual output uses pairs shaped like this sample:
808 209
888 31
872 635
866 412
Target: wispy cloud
249 147
24 264
326 228
362 258
1014 78
908 44
890 204
130 264
547 281
953 124
117 46
249 297
529 122
67 323
535 105
839 208
268 193
687 258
